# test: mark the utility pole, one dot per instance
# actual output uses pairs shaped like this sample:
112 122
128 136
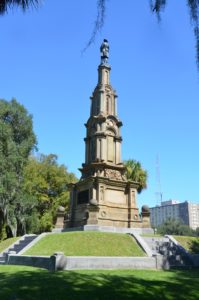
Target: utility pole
158 182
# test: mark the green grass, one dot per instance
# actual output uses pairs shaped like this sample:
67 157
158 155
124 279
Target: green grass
151 235
190 243
87 244
26 283
6 243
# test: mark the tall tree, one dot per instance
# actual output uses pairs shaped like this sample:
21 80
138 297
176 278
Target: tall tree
175 226
135 172
17 140
47 182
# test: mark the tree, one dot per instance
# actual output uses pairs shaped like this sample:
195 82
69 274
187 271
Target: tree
135 172
17 140
24 4
194 246
175 226
47 182
197 231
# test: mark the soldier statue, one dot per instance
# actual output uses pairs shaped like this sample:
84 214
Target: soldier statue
104 49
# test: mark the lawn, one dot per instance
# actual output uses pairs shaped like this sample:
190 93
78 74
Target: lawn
190 243
6 243
152 235
87 243
26 283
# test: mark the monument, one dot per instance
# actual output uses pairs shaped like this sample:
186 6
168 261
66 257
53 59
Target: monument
103 196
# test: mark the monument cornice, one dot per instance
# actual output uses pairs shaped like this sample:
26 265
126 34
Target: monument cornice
110 205
120 220
117 183
102 118
103 165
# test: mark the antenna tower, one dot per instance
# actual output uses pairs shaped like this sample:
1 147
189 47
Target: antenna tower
158 182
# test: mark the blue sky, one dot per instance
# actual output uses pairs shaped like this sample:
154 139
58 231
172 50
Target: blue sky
153 72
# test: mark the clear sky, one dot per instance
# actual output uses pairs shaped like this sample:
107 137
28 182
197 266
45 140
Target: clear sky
153 72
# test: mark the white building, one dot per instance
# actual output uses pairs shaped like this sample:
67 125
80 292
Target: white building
187 212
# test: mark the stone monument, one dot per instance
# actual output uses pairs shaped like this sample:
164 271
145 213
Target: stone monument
103 196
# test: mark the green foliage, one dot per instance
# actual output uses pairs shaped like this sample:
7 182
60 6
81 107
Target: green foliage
197 231
31 189
194 246
87 244
47 183
135 172
46 222
190 243
17 140
33 222
175 226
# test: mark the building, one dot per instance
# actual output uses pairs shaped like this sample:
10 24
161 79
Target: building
103 196
187 212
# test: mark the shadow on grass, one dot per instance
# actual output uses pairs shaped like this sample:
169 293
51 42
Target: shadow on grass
39 284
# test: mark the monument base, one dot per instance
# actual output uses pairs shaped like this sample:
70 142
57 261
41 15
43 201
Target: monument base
102 201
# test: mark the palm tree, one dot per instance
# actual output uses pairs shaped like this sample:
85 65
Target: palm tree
24 4
135 172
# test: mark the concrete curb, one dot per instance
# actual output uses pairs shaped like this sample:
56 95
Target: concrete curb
58 262
142 244
96 262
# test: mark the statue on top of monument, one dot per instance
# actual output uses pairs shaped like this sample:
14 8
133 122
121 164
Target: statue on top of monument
104 49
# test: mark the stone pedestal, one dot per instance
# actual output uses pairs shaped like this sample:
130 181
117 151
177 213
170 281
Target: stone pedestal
60 217
105 202
145 214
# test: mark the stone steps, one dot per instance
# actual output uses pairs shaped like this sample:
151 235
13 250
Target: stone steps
172 254
154 243
17 246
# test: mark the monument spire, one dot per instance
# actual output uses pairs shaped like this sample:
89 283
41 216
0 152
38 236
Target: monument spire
104 67
103 139
103 196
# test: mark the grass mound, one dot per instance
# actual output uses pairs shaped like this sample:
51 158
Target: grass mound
87 244
8 242
190 243
27 283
